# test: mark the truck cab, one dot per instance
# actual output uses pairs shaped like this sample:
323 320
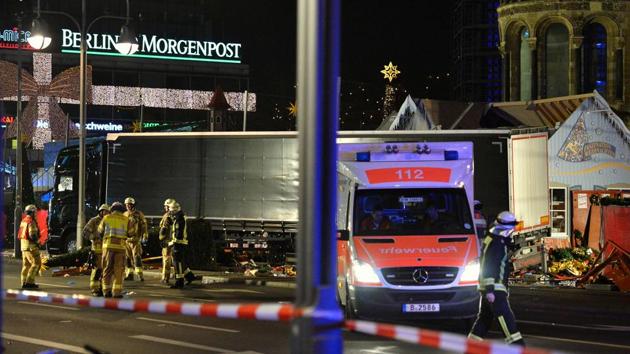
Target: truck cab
406 244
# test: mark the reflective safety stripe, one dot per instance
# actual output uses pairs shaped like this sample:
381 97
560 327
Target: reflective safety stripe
504 327
472 336
500 287
486 281
514 337
117 286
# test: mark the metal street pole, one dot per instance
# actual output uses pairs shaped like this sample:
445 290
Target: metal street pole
82 107
318 331
17 216
245 111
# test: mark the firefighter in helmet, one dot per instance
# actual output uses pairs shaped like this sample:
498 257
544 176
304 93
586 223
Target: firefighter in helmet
90 232
29 244
179 241
493 281
114 230
164 236
139 235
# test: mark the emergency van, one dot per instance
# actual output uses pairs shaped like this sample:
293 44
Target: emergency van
406 242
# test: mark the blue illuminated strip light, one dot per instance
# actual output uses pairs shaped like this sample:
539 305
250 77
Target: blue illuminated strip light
164 57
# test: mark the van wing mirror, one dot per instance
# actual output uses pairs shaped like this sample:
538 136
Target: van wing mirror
343 235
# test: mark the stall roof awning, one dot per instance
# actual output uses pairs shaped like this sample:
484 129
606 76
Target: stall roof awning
545 112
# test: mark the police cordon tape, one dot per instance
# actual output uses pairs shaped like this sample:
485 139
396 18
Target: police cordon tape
278 312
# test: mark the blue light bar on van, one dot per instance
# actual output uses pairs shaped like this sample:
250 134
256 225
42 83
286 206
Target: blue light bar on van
363 156
451 155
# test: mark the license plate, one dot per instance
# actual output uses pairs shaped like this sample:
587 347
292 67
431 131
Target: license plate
421 308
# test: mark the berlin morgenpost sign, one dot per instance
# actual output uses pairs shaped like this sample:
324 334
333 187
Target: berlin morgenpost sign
155 47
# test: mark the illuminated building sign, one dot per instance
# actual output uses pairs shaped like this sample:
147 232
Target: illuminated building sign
9 39
154 47
7 119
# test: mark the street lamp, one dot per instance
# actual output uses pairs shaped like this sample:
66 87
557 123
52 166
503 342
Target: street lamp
127 45
39 38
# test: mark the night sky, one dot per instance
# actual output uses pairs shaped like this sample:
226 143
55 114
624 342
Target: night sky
415 35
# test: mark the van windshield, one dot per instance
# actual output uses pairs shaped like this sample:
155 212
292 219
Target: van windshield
433 211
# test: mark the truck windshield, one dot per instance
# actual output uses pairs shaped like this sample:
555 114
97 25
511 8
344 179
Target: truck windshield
435 211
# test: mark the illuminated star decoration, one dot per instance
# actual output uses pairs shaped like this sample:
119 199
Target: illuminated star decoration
390 71
292 109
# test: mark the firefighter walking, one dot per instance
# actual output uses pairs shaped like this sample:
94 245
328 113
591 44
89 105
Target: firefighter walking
138 235
29 244
90 232
164 236
179 242
493 282
115 231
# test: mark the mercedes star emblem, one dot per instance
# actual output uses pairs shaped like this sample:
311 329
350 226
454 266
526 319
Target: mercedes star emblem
420 276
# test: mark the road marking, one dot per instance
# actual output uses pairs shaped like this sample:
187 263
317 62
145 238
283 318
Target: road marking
47 305
232 291
581 342
189 325
44 343
55 285
182 344
594 326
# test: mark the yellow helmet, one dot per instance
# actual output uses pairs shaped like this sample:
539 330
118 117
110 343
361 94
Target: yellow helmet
30 208
130 200
169 201
103 207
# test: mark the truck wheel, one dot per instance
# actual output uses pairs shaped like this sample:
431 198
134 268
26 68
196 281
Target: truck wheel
349 309
70 243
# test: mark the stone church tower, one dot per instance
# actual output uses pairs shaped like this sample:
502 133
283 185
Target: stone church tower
554 48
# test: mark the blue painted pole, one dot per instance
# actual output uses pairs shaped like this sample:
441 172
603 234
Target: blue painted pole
319 331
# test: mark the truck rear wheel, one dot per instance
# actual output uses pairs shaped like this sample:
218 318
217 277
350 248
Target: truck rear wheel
70 242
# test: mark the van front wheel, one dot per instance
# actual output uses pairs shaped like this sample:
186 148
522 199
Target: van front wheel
349 309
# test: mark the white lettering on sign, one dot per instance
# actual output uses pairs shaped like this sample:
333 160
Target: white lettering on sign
410 174
152 44
108 127
425 250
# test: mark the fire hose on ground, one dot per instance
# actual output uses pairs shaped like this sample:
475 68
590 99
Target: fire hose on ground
277 312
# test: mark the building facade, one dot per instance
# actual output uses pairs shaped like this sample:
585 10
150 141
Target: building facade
555 48
476 59
186 53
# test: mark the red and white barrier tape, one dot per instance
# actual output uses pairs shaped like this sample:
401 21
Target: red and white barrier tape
278 312
264 312
440 340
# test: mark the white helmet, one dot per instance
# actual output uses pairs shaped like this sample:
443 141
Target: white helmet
30 208
504 224
174 207
103 207
130 200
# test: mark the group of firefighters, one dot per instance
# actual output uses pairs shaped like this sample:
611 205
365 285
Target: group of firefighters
118 231
117 234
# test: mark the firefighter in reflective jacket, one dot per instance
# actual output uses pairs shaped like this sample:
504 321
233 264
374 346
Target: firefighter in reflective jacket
29 238
493 282
114 230
96 256
179 242
139 234
164 236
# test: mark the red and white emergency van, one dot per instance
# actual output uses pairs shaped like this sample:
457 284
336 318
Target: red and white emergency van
406 243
